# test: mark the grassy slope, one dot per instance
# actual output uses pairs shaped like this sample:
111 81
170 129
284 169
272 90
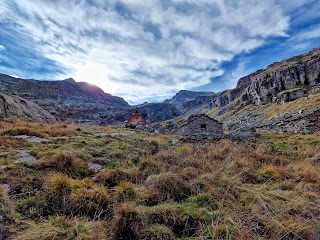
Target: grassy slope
151 189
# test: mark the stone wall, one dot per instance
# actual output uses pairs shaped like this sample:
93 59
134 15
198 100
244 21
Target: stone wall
201 128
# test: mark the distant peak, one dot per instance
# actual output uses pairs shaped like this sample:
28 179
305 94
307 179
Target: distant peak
69 80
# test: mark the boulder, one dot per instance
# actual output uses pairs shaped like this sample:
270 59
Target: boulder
16 107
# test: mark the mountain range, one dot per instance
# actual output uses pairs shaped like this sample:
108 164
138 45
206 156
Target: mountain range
295 80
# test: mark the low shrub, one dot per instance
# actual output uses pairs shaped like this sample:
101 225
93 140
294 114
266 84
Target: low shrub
32 207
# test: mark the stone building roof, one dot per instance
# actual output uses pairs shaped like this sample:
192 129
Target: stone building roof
193 117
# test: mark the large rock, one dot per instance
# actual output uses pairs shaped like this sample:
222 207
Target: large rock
168 127
16 107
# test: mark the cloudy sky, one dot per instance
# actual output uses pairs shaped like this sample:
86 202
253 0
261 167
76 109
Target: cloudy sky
148 50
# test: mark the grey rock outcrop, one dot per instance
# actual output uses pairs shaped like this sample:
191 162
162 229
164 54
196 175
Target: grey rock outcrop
290 95
296 72
200 104
16 107
145 128
304 121
241 132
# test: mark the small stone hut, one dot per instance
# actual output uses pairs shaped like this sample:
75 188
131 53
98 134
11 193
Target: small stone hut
200 127
136 119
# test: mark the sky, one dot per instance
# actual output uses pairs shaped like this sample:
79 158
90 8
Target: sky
147 50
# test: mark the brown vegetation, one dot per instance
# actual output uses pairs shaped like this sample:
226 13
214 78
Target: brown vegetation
267 189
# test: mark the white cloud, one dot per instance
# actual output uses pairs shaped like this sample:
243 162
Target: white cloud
2 48
308 34
141 49
15 76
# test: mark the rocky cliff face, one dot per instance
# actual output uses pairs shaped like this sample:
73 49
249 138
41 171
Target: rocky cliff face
68 100
156 112
184 96
269 85
200 104
16 107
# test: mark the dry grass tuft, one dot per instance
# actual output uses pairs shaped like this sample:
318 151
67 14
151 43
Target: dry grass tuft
66 162
7 214
169 186
127 222
149 167
82 198
157 232
59 228
112 177
125 192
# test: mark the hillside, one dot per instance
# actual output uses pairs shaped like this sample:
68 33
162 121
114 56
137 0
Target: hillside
16 107
68 100
89 182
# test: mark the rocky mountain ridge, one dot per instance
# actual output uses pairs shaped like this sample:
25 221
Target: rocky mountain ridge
68 100
278 79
